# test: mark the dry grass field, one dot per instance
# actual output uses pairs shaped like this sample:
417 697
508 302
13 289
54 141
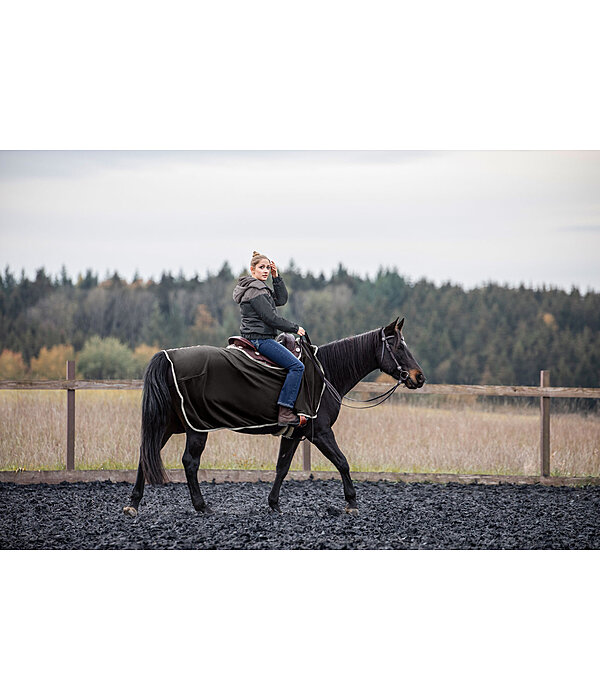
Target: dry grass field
456 436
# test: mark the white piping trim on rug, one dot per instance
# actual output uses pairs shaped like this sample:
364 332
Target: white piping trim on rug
316 350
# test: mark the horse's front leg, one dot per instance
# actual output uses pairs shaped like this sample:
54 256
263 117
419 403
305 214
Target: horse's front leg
194 446
287 448
326 443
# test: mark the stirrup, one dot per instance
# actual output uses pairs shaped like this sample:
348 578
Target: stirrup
302 421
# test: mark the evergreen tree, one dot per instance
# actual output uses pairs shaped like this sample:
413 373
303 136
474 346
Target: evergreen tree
492 334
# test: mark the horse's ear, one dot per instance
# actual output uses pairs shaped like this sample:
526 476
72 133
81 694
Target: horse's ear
399 326
391 329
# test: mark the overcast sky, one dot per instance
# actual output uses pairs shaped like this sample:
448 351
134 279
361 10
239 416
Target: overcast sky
464 216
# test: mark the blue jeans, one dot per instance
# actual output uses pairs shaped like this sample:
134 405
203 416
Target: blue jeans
284 358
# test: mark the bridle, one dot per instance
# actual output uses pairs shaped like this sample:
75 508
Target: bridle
404 374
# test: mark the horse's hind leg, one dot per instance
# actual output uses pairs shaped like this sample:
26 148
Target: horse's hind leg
287 448
194 446
327 444
136 494
138 489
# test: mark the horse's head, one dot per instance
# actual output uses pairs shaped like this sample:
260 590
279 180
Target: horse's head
396 359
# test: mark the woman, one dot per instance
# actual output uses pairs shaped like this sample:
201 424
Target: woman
260 323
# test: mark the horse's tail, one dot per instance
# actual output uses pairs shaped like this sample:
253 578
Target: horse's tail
156 402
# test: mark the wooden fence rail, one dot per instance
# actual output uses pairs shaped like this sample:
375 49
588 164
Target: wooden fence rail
544 392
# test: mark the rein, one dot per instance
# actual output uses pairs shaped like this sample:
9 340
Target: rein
384 397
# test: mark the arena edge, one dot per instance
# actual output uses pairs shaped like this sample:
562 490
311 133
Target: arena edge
220 476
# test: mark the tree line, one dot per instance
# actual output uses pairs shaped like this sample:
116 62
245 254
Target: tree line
493 334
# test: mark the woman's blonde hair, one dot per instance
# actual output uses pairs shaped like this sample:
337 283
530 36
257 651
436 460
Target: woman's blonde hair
256 258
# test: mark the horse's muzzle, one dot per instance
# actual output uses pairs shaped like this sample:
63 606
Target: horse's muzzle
415 379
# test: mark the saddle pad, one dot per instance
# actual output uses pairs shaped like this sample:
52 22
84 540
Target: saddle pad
225 388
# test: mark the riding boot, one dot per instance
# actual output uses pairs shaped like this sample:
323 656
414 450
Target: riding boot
288 417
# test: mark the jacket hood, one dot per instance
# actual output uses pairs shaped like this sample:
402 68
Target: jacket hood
247 288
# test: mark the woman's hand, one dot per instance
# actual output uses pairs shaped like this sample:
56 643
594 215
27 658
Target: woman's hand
301 331
273 268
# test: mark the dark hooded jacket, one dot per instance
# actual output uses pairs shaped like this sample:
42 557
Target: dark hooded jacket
258 308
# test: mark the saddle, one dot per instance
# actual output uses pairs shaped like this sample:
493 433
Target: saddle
286 339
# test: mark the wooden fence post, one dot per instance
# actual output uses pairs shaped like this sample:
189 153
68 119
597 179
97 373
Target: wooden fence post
545 426
70 417
306 455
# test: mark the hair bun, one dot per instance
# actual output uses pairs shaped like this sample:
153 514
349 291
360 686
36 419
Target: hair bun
255 252
256 258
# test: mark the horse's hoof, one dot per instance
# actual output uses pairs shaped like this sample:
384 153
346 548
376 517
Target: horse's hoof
351 511
207 510
130 510
275 508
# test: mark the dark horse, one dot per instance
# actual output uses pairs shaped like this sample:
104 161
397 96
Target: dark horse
345 363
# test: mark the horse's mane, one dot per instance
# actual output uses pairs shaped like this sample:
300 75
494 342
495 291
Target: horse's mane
346 359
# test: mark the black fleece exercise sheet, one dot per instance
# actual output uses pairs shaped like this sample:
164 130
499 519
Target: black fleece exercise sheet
224 388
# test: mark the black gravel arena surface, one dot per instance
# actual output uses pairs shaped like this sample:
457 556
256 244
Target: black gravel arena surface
392 516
